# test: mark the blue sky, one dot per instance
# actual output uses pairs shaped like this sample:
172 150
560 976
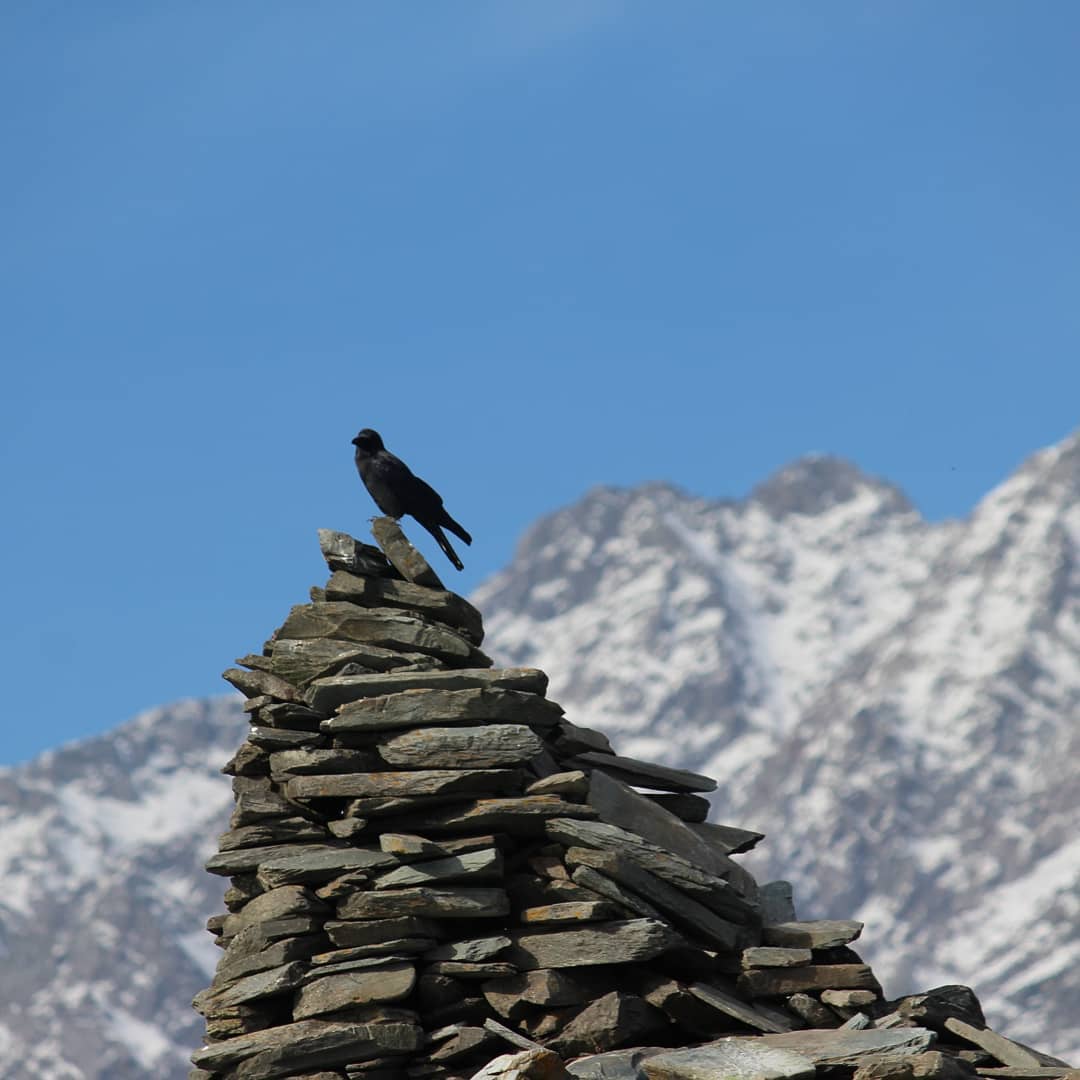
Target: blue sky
540 246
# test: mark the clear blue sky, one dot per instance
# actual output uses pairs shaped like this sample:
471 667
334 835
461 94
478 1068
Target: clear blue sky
540 245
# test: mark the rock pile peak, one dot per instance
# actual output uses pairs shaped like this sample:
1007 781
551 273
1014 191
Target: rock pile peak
431 864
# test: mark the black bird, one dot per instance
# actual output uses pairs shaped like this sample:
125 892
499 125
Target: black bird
396 491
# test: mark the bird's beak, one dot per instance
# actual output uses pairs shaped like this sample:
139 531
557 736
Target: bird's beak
355 442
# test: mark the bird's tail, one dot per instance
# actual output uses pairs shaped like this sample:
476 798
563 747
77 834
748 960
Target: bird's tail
448 551
449 523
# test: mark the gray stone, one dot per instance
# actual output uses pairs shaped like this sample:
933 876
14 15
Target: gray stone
248 860
934 1007
466 1041
405 558
241 959
302 661
435 604
510 997
391 982
343 552
383 949
419 708
532 1063
306 1039
766 956
469 969
609 943
667 898
406 783
451 903
385 627
286 763
751 1016
277 904
615 1064
591 879
729 1059
772 982
689 808
573 739
608 1023
708 889
490 746
818 934
331 693
269 832
727 838
618 804
570 912
349 934
282 738
262 984
827 1048
317 866
777 902
261 683
573 783
473 951
524 816
645 773
1005 1050
812 1011
487 863
848 999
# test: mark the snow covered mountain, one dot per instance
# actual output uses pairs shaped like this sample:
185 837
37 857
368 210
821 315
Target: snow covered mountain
894 703
104 898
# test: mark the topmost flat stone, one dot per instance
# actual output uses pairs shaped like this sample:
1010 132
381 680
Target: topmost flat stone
343 552
406 559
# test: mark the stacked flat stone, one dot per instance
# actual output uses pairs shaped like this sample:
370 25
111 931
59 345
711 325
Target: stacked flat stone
430 861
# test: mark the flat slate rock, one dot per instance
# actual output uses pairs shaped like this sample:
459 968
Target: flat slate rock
350 989
610 1021
615 1064
438 604
252 987
285 906
770 956
1005 1050
305 1037
303 660
353 933
839 1047
450 903
618 804
704 923
728 838
729 1059
336 759
404 784
818 934
388 628
646 773
332 692
248 860
473 951
708 889
773 982
490 746
770 1021
318 866
486 863
282 738
622 942
572 911
525 815
420 707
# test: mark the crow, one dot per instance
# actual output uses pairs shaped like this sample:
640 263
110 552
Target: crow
396 491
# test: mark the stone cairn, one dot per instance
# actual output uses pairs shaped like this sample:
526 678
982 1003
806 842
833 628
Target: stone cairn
435 872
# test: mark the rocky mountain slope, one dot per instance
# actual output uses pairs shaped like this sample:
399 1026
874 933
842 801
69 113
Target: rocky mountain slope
894 703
